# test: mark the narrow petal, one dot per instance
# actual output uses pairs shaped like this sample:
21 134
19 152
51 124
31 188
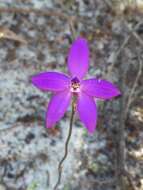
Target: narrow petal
100 88
52 81
78 58
86 108
57 107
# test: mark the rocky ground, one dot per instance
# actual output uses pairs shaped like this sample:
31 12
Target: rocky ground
37 41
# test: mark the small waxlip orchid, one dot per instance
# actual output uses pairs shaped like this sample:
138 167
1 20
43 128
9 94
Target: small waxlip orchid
64 87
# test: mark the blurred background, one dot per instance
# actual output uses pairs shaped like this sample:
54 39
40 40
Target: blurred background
35 36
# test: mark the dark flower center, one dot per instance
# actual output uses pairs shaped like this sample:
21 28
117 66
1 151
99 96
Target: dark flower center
75 85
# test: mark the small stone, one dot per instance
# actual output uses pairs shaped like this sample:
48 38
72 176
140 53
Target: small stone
102 159
29 138
2 187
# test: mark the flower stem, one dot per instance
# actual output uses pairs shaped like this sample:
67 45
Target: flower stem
60 167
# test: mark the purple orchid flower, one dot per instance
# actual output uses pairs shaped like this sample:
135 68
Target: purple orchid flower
65 87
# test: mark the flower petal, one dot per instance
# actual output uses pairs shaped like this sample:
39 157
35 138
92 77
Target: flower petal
78 58
86 108
57 107
100 88
52 81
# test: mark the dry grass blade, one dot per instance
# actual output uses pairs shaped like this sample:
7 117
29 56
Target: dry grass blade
8 34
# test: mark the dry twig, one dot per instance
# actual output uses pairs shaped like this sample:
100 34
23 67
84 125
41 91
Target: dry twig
133 31
39 12
9 34
131 94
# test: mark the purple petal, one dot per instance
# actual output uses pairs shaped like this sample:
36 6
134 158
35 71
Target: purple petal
57 107
100 88
86 108
52 81
78 58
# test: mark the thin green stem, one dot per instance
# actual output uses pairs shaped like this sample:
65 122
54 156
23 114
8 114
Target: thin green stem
66 147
